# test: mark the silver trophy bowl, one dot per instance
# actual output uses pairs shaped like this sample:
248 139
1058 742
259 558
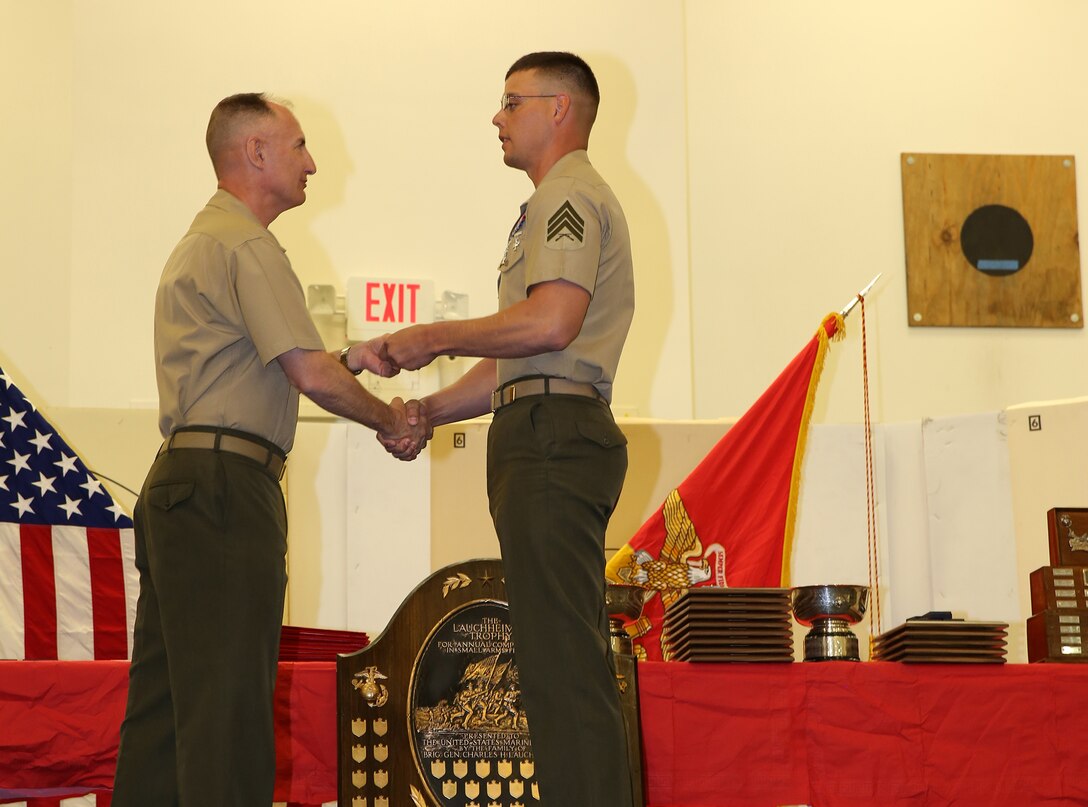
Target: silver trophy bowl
830 610
623 603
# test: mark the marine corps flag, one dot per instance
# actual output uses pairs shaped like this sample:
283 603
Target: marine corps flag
731 521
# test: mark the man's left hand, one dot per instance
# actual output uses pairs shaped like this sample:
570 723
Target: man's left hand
409 349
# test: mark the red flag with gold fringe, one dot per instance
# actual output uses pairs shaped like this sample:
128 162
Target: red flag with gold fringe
731 521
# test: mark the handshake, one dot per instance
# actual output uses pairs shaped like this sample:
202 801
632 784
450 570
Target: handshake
387 355
410 431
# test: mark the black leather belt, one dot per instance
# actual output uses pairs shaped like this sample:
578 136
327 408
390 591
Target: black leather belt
540 385
266 454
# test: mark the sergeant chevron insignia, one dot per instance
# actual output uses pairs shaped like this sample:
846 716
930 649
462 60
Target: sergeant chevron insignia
566 229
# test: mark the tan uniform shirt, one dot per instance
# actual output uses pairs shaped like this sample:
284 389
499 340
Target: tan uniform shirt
228 304
573 228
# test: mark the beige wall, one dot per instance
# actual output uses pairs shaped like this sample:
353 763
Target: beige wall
755 146
396 100
36 304
798 113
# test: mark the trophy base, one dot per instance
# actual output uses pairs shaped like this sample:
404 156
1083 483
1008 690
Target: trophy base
831 641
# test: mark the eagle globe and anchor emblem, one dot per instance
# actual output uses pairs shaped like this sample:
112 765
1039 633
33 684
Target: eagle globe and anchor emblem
681 564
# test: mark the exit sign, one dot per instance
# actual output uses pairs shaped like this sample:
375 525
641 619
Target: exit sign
377 305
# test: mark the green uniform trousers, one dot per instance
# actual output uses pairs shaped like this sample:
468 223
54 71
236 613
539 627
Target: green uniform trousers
211 541
555 468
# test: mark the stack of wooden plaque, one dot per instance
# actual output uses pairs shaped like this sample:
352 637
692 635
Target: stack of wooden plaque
943 641
709 623
1059 620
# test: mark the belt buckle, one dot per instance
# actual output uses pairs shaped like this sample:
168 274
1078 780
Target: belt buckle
503 396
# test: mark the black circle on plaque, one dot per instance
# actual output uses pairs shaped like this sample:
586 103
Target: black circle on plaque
997 240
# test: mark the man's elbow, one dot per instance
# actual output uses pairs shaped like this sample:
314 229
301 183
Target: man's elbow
558 336
306 371
306 383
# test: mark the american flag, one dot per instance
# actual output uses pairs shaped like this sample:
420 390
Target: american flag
69 582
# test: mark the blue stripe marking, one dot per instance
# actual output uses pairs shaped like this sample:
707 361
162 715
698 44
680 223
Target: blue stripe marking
999 266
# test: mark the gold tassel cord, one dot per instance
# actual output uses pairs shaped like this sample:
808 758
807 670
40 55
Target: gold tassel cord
875 627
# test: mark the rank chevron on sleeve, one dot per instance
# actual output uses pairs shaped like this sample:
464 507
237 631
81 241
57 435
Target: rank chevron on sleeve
566 223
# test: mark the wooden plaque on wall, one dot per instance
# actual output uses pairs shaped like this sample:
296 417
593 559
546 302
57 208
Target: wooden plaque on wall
991 241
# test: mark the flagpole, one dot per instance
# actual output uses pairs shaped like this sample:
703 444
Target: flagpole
858 297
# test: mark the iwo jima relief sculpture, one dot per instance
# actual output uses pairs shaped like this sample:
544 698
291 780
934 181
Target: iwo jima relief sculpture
487 699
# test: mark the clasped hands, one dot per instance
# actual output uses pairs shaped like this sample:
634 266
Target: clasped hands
411 429
410 432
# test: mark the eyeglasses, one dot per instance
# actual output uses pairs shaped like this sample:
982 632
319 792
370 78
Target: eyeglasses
509 102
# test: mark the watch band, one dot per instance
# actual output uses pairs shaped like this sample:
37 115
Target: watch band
344 361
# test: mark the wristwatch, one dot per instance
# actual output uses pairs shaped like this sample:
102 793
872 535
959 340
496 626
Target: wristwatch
344 361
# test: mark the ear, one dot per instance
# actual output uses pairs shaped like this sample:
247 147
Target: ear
255 152
562 107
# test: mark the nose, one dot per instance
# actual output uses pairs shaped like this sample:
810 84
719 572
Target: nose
311 166
496 120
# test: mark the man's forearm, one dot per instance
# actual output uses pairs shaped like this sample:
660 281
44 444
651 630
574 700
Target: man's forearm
346 398
548 320
468 397
321 378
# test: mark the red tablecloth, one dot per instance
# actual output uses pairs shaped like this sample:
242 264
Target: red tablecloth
59 723
864 734
825 734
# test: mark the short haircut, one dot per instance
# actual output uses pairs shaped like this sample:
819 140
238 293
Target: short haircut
226 117
568 68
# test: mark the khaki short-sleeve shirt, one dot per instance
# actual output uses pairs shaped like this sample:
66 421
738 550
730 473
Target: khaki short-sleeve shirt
573 228
227 306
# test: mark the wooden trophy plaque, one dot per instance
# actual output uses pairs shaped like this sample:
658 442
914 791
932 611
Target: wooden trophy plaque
1067 528
429 714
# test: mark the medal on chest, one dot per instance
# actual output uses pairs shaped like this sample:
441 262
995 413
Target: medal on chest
514 240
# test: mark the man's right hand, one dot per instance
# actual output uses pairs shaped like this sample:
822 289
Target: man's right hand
410 432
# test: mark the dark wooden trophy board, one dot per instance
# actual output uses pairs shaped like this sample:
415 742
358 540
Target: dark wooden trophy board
428 714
